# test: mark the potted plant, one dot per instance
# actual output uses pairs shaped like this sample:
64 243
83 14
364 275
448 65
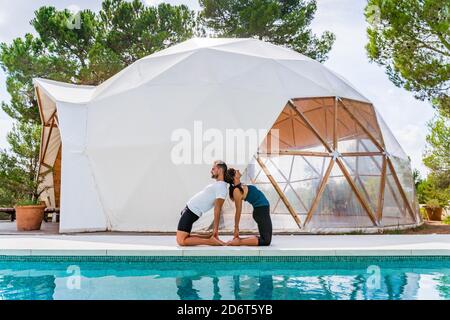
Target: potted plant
434 210
29 214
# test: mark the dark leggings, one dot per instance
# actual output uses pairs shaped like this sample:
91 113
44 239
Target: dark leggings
262 218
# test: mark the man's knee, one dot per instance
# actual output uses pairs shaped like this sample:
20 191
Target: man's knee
181 238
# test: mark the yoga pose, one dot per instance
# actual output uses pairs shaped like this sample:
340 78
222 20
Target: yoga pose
212 196
261 210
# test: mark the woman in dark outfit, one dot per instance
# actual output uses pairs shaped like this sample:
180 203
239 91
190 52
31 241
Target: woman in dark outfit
261 210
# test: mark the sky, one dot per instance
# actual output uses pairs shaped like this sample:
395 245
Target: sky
406 116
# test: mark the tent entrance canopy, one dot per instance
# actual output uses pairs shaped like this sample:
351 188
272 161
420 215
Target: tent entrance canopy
50 95
329 170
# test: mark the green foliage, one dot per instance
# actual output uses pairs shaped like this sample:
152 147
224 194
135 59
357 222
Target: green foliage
437 159
437 153
28 202
279 22
433 204
446 220
106 42
18 167
411 39
424 214
416 178
23 60
427 190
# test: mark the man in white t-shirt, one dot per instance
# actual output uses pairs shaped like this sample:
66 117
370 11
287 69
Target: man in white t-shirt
212 196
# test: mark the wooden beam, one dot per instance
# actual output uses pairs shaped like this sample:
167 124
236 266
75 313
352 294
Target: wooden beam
375 142
49 121
381 194
320 191
312 98
41 113
280 192
387 180
46 165
50 125
310 126
288 181
378 127
361 154
400 188
297 153
335 120
358 194
48 140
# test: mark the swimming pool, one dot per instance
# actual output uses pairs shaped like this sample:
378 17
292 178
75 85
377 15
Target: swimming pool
224 278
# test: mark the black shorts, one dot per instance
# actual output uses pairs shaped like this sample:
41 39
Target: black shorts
262 218
187 220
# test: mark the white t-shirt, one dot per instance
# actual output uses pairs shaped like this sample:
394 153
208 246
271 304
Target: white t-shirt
204 200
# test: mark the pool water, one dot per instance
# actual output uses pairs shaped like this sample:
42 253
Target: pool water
214 278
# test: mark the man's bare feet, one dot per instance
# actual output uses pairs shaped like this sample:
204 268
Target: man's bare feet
216 242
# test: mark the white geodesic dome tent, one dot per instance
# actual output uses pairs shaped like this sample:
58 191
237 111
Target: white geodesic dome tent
107 151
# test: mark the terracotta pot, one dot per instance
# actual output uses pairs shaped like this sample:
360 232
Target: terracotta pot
29 217
434 214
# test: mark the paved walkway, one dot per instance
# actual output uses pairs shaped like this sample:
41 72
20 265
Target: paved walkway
307 245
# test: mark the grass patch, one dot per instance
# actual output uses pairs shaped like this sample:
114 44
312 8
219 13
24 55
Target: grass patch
412 230
4 216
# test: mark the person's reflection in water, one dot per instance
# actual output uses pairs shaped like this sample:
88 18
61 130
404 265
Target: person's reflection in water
358 288
265 289
186 289
217 295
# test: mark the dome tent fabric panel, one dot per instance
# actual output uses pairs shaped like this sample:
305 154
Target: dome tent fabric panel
82 207
117 138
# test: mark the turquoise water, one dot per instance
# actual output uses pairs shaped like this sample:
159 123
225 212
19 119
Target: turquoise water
222 278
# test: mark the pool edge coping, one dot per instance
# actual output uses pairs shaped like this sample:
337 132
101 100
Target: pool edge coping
208 252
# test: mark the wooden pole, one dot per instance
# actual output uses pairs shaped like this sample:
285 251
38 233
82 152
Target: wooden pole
47 142
361 154
400 188
319 193
310 126
280 192
335 133
381 194
375 142
391 188
358 194
297 153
